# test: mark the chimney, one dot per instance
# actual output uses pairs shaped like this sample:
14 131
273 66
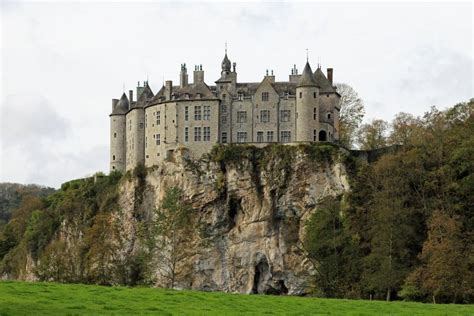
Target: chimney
168 89
114 103
294 77
130 96
198 74
330 75
183 76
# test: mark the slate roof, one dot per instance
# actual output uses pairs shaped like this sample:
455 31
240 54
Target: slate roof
323 83
307 77
188 92
122 106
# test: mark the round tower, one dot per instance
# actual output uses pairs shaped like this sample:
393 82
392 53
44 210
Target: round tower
307 107
117 133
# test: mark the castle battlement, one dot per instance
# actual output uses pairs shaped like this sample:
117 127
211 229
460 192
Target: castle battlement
196 116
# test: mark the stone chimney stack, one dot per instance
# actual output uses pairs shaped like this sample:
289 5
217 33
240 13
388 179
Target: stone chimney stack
130 96
329 71
168 89
183 76
198 74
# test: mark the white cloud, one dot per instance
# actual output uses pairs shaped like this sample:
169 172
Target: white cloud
399 57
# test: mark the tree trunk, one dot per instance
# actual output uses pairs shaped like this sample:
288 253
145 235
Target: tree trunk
388 295
434 299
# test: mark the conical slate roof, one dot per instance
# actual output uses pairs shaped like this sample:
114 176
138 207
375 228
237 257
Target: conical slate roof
225 63
146 94
307 78
122 106
323 83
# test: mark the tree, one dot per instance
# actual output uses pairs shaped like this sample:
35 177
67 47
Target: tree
172 232
373 135
445 271
352 112
404 128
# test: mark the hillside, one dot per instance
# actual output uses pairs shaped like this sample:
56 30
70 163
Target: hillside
312 219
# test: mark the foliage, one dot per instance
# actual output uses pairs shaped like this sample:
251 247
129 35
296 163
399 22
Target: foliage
351 113
21 298
172 231
373 135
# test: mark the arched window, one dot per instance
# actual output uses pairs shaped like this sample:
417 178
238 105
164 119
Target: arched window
115 135
113 157
329 116
322 136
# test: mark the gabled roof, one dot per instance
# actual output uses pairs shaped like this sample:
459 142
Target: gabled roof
144 98
323 83
307 77
122 106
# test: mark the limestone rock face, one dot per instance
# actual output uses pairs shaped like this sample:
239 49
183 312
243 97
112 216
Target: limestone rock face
248 219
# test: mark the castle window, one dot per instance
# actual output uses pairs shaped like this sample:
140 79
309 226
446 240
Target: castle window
264 96
322 136
241 137
224 137
186 134
130 125
260 137
206 134
315 135
241 117
285 115
264 116
113 157
329 116
240 96
285 136
270 136
207 113
315 114
113 167
186 113
146 120
197 113
115 135
314 95
158 118
301 95
197 134
141 125
224 119
223 108
158 139
146 142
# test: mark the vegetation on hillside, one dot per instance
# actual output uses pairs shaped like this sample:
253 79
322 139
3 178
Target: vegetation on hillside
406 228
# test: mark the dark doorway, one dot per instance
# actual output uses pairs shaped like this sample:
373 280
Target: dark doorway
322 136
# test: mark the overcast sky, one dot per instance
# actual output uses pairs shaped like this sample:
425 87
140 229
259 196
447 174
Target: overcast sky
63 63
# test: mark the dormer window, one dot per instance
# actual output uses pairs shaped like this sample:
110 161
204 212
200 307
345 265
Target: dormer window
186 95
198 95
240 96
173 96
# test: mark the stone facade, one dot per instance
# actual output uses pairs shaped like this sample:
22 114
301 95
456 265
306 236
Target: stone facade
195 116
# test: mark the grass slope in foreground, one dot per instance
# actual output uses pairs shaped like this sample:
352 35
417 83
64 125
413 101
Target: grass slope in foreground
22 298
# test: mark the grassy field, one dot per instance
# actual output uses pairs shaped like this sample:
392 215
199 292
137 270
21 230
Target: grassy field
21 298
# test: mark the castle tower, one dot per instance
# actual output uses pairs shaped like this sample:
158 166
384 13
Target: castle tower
307 106
117 133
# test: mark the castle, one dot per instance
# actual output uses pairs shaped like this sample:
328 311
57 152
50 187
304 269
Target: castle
195 116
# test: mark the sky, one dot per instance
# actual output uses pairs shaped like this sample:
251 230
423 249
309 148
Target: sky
62 63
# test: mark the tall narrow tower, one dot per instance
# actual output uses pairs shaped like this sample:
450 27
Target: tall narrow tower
307 106
117 133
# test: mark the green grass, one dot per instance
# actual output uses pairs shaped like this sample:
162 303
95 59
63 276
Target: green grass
21 298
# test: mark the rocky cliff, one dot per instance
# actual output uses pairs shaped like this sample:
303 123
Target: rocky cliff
249 208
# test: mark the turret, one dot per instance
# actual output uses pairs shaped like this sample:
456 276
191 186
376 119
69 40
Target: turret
117 133
307 106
